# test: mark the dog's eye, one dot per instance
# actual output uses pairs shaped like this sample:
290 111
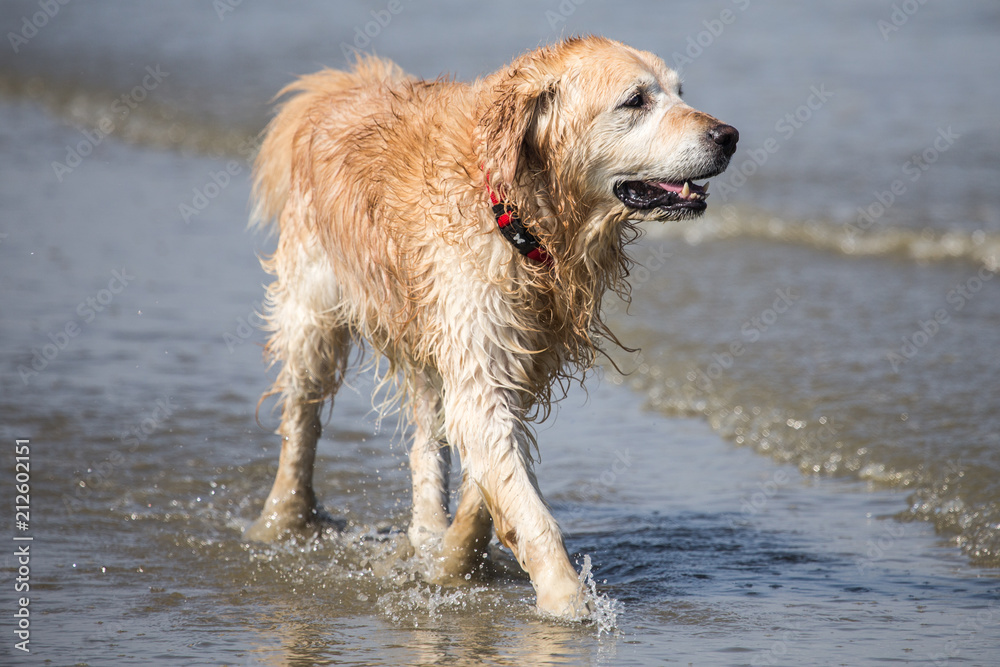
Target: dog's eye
635 101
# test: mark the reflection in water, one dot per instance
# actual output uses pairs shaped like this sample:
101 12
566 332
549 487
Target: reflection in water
349 588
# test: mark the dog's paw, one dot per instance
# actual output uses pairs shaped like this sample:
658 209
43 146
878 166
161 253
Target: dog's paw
274 527
577 605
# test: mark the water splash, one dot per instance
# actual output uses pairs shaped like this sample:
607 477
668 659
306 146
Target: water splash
606 609
425 603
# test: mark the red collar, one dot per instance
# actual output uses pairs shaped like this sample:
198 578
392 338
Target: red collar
514 230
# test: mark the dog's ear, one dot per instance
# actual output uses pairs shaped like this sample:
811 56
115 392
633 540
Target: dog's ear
508 107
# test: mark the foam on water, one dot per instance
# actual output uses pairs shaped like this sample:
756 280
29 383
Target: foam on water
976 246
942 491
154 123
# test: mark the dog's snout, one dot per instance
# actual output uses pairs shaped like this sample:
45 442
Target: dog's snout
726 136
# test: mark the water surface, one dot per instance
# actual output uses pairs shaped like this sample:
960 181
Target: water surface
801 466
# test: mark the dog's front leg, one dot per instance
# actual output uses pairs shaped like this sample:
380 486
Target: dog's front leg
485 422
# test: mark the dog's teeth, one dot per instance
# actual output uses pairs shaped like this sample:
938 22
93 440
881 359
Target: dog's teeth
704 188
686 192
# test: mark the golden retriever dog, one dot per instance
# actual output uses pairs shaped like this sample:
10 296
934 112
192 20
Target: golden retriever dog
468 233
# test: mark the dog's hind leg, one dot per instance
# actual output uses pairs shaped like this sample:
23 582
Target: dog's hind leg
313 350
430 461
458 547
465 541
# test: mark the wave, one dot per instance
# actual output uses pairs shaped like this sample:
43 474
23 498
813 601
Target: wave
925 245
818 443
163 125
154 123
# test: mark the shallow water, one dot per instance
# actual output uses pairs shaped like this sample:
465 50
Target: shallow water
780 324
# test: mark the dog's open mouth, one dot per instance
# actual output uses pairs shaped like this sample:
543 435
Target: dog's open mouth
645 195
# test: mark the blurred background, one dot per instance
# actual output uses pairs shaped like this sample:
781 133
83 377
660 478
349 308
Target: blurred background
801 460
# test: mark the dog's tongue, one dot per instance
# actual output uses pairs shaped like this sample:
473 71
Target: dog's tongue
679 187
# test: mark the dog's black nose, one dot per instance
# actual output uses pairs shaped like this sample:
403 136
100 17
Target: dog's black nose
726 136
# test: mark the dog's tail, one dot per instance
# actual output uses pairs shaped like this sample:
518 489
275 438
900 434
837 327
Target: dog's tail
313 94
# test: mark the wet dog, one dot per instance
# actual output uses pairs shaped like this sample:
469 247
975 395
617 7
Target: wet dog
468 234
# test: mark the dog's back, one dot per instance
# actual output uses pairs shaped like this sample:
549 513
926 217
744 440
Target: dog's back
324 92
370 136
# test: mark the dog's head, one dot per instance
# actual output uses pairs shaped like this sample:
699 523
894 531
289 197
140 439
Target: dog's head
605 126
